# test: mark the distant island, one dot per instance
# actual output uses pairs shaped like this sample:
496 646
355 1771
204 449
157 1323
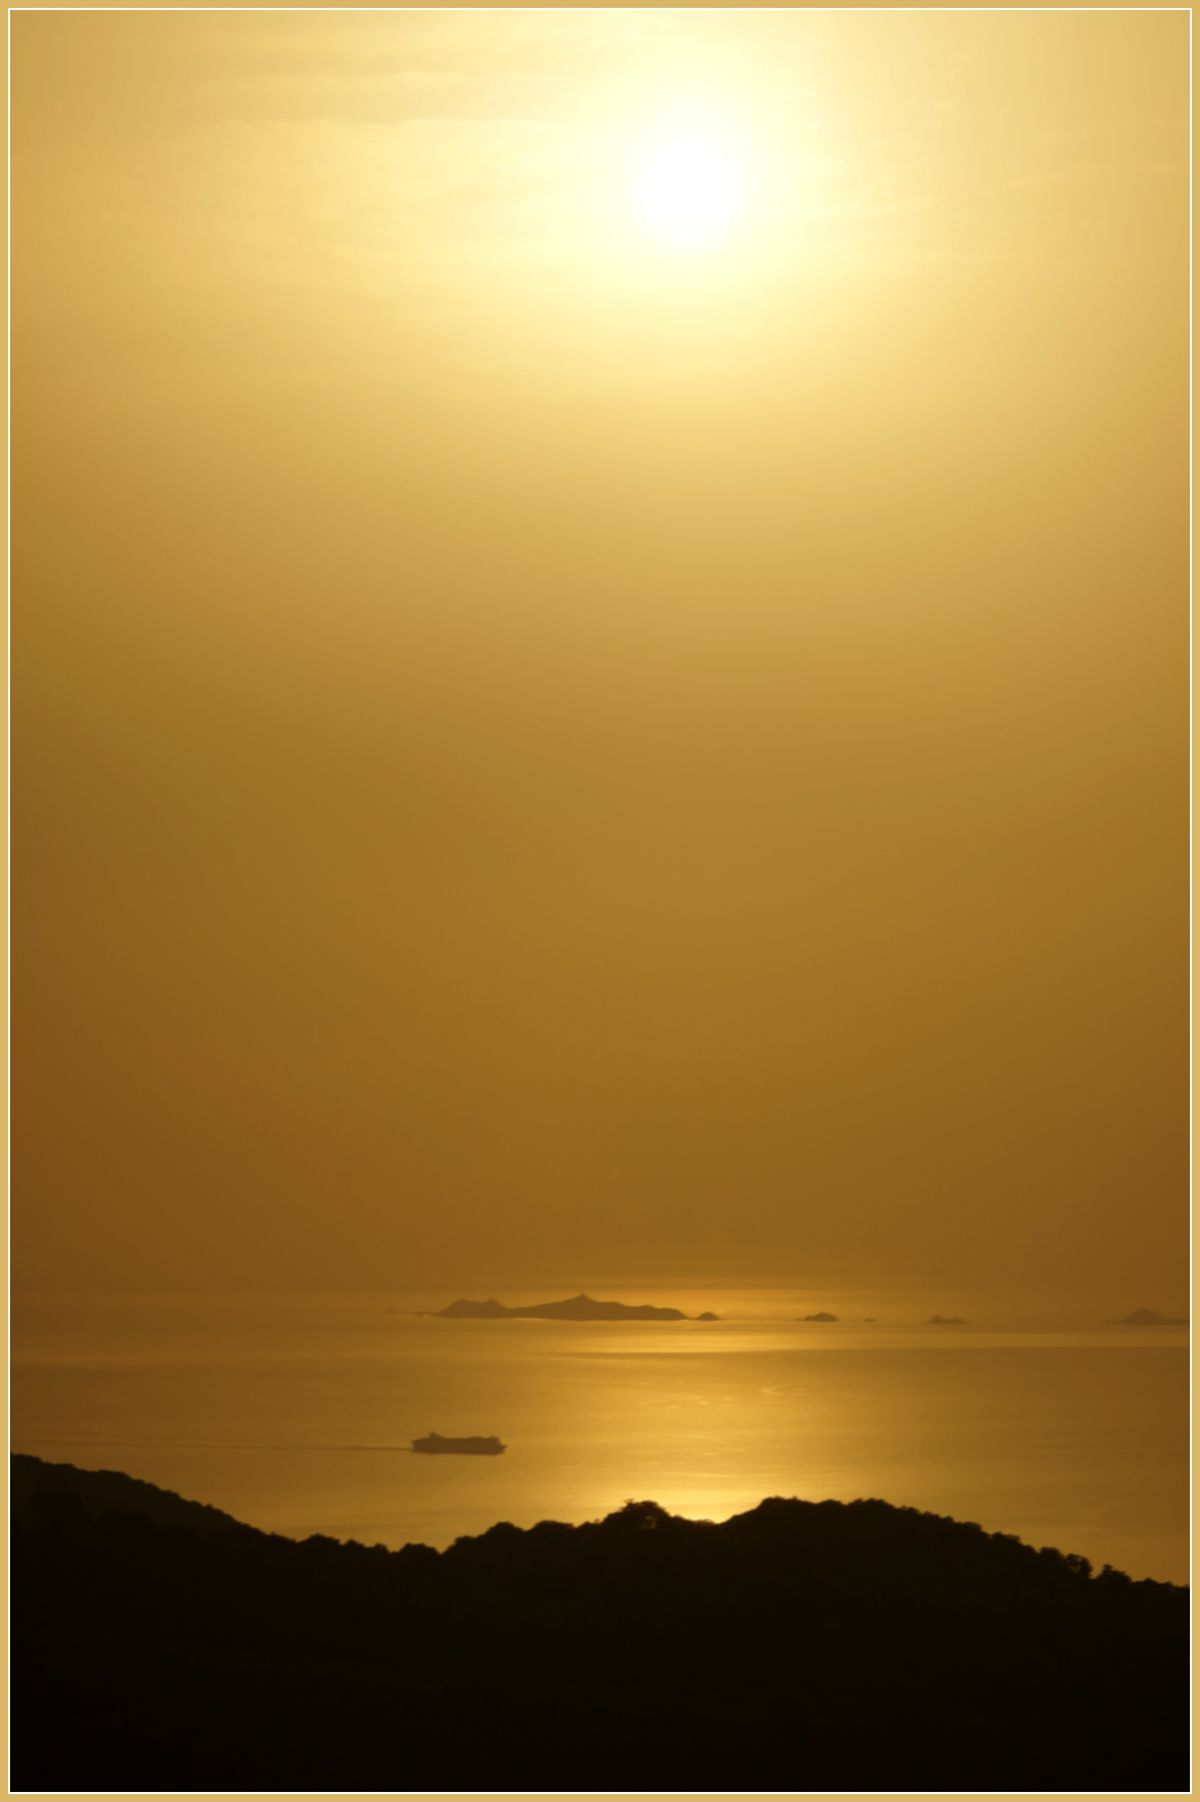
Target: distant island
1149 1317
577 1307
799 1647
830 1318
947 1320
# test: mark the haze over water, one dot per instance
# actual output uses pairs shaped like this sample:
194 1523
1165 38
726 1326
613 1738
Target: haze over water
548 749
291 1414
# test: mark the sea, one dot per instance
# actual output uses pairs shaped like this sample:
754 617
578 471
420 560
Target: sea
296 1413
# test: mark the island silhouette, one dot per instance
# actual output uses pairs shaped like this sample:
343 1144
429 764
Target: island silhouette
798 1646
576 1307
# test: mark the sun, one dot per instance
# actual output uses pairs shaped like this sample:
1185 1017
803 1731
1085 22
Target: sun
689 191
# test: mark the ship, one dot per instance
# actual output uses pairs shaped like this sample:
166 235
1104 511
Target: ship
478 1448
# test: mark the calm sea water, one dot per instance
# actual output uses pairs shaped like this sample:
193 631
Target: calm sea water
294 1415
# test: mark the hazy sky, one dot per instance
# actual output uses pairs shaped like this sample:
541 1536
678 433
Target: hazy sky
545 754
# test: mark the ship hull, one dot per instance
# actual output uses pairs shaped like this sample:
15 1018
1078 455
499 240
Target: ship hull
436 1446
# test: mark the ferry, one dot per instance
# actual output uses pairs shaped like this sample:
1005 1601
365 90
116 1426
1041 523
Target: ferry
479 1448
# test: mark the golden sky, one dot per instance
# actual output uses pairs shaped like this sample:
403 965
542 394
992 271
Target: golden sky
545 749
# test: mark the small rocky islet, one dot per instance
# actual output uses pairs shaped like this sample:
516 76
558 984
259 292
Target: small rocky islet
576 1307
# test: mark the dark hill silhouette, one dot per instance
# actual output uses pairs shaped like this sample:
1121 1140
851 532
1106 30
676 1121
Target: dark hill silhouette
576 1307
107 1492
800 1646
